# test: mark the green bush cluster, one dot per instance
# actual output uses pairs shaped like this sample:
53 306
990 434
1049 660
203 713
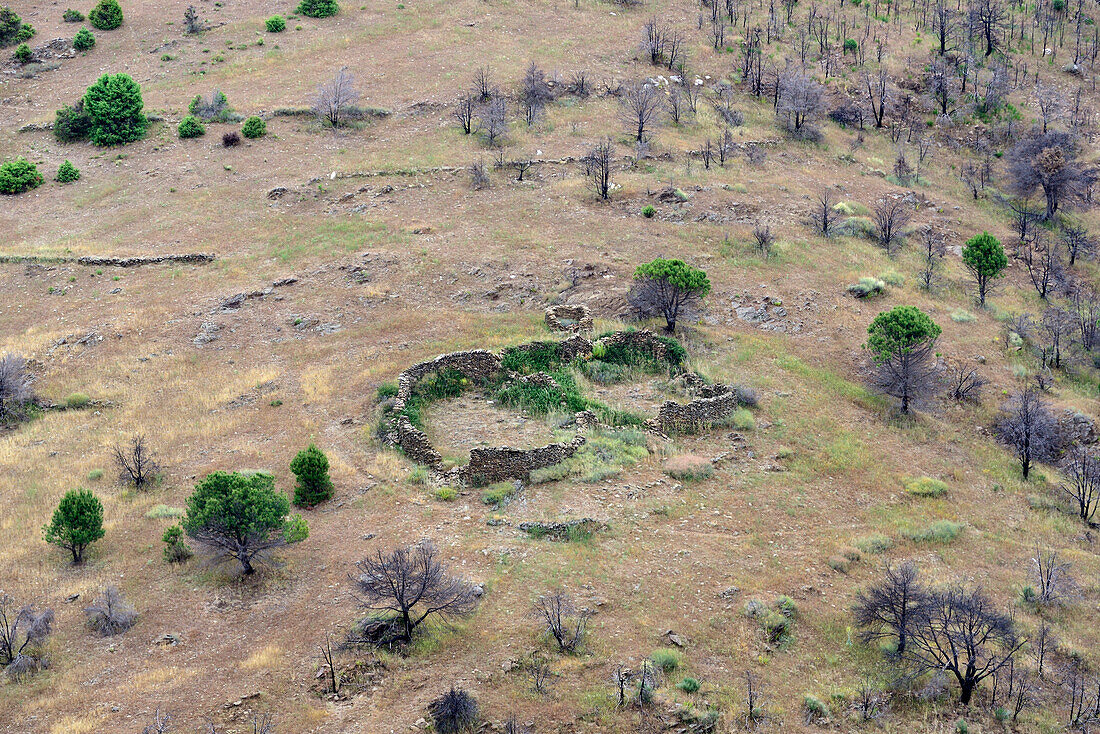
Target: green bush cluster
275 24
191 127
67 173
77 523
926 487
72 123
604 455
106 15
254 127
318 8
666 659
18 176
114 108
72 16
84 40
176 549
12 28
23 54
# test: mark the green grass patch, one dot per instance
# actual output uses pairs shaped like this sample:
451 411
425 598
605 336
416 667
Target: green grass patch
874 544
926 487
941 532
162 512
604 455
666 659
497 493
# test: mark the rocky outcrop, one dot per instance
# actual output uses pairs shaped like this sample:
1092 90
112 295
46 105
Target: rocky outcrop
569 318
488 465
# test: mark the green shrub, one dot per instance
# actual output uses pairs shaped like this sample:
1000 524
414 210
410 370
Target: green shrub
72 123
77 523
867 287
25 33
532 358
254 127
95 475
106 15
446 494
649 211
742 420
926 487
73 16
689 468
275 24
67 173
83 40
777 627
10 26
419 475
605 373
856 226
602 456
191 127
77 400
23 54
893 278
875 544
962 316
114 106
496 493
163 512
786 606
176 549
387 390
941 531
18 176
317 8
688 685
310 466
666 659
815 709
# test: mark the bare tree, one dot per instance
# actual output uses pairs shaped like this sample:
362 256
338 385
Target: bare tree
1049 162
597 167
763 239
890 216
1043 260
1082 485
870 702
1050 102
962 633
521 166
964 382
1056 325
464 112
932 252
640 104
988 20
1043 644
412 584
1023 217
944 24
579 84
676 104
493 121
483 88
1028 428
561 619
1053 583
539 671
455 711
328 660
15 388
707 153
534 93
754 714
161 723
653 41
825 213
192 23
136 463
22 631
336 97
1086 308
941 85
1078 243
802 101
878 94
890 608
479 176
110 614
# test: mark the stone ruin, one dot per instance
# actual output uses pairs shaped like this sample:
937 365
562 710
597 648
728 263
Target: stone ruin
569 318
712 403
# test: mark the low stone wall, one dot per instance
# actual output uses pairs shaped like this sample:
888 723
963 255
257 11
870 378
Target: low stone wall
488 465
416 445
643 340
698 413
578 316
476 364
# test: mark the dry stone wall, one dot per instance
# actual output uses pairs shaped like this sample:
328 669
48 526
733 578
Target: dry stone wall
698 413
488 465
477 365
565 317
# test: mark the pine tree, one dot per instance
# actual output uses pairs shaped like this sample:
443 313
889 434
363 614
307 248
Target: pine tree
314 485
77 523
114 106
67 173
318 8
106 15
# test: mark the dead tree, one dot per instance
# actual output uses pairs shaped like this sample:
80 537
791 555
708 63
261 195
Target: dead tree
890 608
110 614
1082 486
1078 243
521 166
754 714
964 382
464 112
1027 427
539 671
763 239
597 167
932 253
1053 584
534 93
640 104
22 630
335 98
161 723
412 585
493 121
890 216
192 23
962 633
1043 261
561 619
988 20
878 95
136 463
328 659
15 388
653 41
483 88
802 101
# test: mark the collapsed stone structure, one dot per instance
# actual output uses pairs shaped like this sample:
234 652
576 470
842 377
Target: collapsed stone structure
571 318
711 403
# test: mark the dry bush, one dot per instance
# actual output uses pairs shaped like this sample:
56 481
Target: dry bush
561 619
15 388
136 463
110 614
689 467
